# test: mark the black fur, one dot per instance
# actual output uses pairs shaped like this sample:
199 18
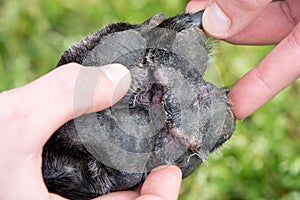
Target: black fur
195 115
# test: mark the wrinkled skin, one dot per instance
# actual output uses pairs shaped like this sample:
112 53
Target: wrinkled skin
170 115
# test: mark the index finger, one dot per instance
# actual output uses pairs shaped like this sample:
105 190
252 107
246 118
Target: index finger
279 68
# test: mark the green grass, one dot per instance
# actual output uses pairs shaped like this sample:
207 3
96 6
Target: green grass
261 161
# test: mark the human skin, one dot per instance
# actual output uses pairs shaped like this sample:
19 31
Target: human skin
257 22
30 114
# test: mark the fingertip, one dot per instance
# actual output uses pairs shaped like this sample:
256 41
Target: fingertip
237 109
120 77
98 88
224 19
163 183
124 195
55 197
196 5
117 73
170 168
250 93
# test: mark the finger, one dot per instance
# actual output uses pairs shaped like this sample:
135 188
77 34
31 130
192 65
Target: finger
163 183
55 197
278 69
196 5
223 19
124 195
42 106
274 24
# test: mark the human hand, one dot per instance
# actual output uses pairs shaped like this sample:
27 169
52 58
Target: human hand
257 22
30 114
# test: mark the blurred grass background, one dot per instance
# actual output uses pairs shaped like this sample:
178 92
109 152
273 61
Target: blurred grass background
261 161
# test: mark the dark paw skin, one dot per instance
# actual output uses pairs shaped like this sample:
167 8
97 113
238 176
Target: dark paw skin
170 114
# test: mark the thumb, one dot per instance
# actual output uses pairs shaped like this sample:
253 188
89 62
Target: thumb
69 91
223 19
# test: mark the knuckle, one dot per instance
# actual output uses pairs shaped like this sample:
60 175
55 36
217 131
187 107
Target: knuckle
13 110
293 38
65 78
261 80
293 42
287 11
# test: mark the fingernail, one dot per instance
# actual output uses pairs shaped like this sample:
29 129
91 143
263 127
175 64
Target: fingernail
159 168
193 7
215 21
120 76
116 73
